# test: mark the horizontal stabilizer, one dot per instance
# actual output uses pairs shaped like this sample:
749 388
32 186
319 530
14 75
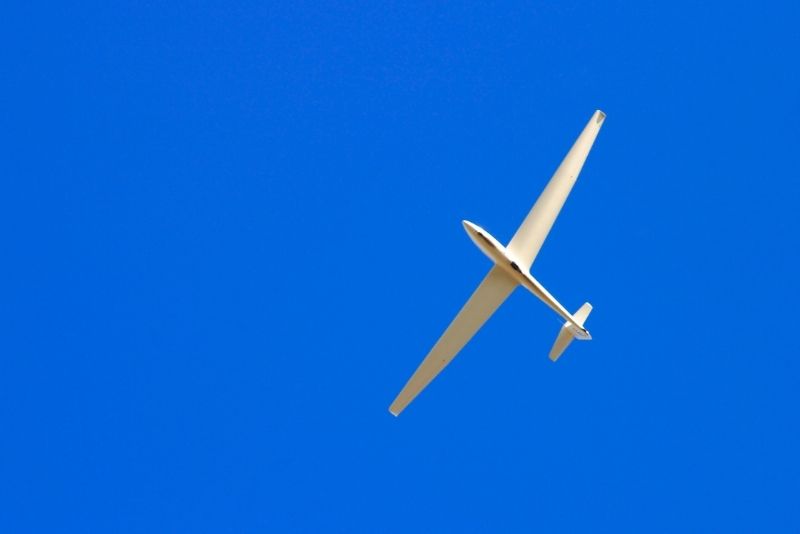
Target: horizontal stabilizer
565 335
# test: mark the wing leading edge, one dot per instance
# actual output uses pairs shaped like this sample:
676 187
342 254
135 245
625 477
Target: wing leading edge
530 236
491 293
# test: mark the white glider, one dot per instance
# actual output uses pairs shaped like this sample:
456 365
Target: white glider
511 268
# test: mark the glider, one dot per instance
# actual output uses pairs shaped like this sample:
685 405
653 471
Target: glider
511 269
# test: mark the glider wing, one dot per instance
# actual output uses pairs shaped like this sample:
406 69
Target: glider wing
525 244
492 292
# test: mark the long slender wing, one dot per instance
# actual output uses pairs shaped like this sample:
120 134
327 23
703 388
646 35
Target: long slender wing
525 244
494 289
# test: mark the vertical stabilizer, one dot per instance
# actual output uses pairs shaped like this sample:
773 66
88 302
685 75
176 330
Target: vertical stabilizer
565 336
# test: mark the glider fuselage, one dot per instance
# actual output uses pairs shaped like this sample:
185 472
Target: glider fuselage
501 257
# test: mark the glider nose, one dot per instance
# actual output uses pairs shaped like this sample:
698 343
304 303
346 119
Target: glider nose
471 228
473 231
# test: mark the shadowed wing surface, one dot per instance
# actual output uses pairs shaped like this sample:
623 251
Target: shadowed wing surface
491 293
530 236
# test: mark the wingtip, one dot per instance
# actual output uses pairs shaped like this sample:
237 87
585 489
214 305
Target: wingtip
601 116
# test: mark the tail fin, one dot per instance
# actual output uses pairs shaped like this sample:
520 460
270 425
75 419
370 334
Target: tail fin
565 336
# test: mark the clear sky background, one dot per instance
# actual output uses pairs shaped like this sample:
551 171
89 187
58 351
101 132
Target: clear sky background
233 230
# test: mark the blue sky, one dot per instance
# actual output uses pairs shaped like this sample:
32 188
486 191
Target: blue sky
233 231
